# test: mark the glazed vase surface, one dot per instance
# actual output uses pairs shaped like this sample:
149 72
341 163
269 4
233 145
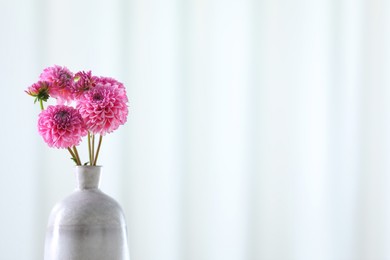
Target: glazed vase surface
88 224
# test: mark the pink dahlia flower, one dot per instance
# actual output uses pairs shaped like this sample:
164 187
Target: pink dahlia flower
61 126
82 81
39 90
104 107
61 80
109 81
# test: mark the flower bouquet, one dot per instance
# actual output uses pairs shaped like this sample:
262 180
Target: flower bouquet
87 105
87 224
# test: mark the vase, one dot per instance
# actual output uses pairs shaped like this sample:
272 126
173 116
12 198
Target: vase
87 224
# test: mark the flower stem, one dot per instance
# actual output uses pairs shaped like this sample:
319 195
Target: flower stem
41 104
77 155
89 148
73 155
93 150
98 149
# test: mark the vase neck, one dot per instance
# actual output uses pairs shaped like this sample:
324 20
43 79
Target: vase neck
88 177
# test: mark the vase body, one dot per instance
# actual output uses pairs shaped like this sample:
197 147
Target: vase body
87 224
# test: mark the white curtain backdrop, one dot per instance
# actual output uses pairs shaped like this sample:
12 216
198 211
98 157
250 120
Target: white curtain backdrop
259 129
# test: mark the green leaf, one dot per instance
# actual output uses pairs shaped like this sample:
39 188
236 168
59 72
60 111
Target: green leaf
73 159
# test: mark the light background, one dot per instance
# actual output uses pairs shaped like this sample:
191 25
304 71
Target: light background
259 129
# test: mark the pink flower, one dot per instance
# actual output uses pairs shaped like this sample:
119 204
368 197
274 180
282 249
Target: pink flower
61 126
61 80
109 81
104 107
82 81
39 90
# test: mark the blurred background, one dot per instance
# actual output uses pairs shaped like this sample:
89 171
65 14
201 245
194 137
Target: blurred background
259 129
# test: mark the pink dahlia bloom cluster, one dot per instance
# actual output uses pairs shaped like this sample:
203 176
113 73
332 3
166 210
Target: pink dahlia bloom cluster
104 107
100 105
61 126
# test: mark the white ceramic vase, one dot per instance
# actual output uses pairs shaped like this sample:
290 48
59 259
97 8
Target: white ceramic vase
87 224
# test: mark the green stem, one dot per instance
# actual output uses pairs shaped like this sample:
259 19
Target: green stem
77 155
98 149
41 104
93 150
73 155
89 148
